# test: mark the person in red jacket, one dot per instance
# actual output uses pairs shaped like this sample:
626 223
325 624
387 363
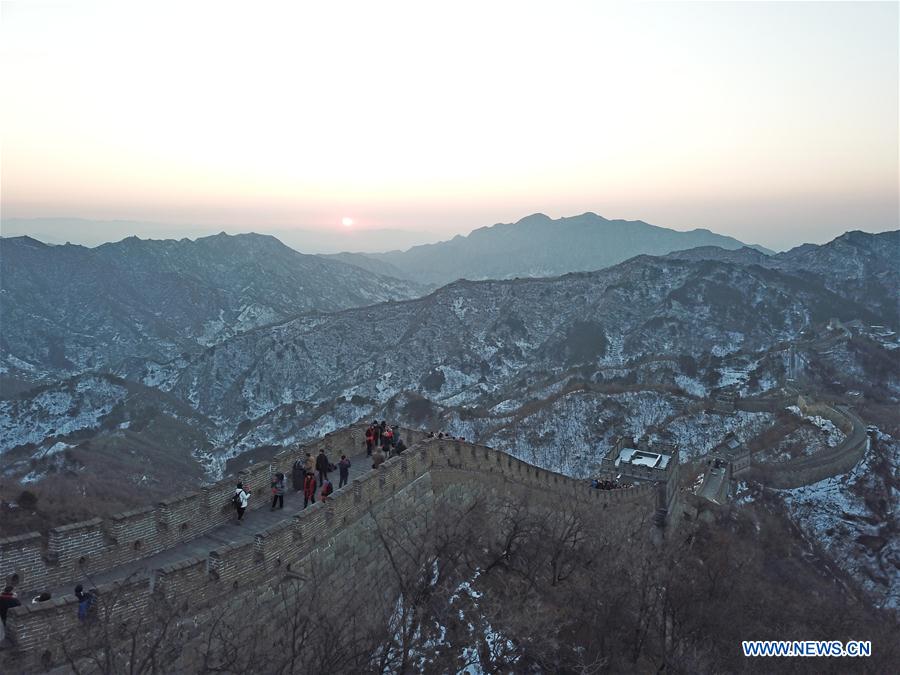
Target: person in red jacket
370 440
386 439
327 489
309 490
8 600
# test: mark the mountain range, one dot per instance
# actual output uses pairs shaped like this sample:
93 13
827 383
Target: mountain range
164 364
476 343
67 309
537 246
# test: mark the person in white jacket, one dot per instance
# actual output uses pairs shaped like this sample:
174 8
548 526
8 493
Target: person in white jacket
241 499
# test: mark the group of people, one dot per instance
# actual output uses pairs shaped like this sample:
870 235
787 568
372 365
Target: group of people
608 484
309 474
9 599
380 436
441 434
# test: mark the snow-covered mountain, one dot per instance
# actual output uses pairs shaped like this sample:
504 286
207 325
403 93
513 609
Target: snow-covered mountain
67 309
548 369
475 343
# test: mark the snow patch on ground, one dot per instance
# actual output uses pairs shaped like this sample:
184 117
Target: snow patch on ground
835 513
57 411
691 386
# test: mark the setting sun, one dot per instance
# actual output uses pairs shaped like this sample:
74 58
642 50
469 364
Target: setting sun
347 222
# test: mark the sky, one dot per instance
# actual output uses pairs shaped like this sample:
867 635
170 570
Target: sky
776 123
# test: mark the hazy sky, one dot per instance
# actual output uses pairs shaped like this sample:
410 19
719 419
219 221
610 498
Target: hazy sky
776 123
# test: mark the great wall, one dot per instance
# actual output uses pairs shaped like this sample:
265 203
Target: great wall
188 547
743 464
122 551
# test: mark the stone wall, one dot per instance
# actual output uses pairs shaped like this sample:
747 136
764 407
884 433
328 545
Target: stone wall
35 564
824 464
336 534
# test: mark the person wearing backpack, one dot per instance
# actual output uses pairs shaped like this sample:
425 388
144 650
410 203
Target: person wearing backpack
344 466
309 490
278 491
240 499
327 489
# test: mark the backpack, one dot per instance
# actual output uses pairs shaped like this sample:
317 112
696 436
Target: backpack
326 489
235 500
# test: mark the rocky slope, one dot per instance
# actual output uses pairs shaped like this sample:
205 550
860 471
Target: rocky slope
479 342
67 309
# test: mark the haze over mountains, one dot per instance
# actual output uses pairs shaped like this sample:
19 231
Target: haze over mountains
538 246
92 232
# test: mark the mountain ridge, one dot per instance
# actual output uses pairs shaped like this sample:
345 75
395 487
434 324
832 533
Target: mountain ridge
70 308
538 245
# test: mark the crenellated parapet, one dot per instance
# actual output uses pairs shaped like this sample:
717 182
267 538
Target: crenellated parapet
35 563
425 469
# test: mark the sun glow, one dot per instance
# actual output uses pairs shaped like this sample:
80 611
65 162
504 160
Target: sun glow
347 222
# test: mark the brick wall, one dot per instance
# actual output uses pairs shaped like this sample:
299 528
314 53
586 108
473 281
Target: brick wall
71 551
337 535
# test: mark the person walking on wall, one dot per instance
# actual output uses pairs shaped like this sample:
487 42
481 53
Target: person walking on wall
322 466
370 439
240 500
344 466
8 600
386 440
309 490
278 491
297 475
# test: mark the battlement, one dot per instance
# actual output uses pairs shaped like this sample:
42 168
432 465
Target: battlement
35 563
273 551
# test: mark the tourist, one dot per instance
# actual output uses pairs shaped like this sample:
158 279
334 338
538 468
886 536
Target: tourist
309 490
278 491
377 459
8 600
370 439
298 473
401 446
381 428
240 500
85 601
327 489
386 440
310 464
344 466
322 466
